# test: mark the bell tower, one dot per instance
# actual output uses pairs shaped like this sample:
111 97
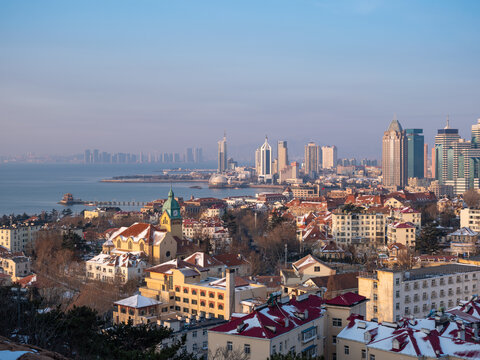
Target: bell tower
171 219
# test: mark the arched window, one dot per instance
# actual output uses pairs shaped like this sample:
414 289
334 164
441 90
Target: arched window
129 245
142 247
119 244
167 253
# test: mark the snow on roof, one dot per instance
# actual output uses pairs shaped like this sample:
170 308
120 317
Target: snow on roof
202 259
402 225
127 259
464 231
275 319
415 338
305 262
137 301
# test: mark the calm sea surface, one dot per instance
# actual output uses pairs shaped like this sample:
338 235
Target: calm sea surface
32 188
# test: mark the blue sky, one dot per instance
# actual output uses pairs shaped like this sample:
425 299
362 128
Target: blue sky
166 74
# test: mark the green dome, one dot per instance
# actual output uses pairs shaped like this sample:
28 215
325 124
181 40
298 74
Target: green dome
171 206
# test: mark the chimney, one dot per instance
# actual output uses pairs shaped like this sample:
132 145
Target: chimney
230 293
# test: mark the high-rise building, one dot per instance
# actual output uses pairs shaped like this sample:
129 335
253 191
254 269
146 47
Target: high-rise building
329 157
198 155
394 156
425 160
312 159
222 154
189 155
265 153
282 155
87 157
444 141
415 152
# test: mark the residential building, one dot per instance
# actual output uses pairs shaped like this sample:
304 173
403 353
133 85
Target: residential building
304 269
305 192
137 308
312 160
306 325
18 238
195 332
401 233
408 214
394 156
16 265
115 267
186 289
329 157
366 227
395 293
295 325
415 153
470 217
222 154
437 337
463 241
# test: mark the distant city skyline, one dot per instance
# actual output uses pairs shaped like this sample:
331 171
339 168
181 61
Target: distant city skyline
132 76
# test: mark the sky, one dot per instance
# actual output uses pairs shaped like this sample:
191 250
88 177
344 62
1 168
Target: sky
163 75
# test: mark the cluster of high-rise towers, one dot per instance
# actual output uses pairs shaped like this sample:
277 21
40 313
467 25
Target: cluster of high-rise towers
316 158
455 161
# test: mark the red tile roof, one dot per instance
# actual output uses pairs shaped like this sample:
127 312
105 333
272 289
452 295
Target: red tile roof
347 299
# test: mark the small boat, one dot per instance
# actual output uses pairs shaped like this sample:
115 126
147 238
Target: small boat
195 187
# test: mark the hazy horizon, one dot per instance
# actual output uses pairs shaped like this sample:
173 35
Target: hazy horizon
131 76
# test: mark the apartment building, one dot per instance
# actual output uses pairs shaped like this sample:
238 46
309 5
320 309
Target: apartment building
470 218
366 227
16 238
439 336
395 294
113 267
187 290
16 265
401 233
408 214
137 308
304 325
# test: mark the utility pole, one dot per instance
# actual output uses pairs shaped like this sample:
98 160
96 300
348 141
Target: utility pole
285 255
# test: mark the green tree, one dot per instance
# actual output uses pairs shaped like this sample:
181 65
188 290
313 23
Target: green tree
428 240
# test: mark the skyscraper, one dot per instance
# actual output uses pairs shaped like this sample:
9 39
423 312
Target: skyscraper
265 155
425 160
415 162
198 155
222 154
394 156
329 157
282 153
444 141
189 155
312 159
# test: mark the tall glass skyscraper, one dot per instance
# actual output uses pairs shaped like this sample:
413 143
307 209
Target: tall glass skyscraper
394 156
222 154
415 153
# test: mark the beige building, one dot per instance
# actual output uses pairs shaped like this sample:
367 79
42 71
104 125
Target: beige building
394 294
18 238
282 153
329 157
313 160
121 267
186 289
470 218
16 265
402 233
367 227
407 214
394 156
304 269
137 308
463 241
305 325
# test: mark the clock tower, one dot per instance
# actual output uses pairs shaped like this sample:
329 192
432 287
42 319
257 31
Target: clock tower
171 220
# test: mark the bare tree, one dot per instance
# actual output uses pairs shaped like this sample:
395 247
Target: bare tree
222 353
471 198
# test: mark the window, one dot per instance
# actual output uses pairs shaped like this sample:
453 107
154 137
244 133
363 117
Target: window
194 334
316 268
309 334
211 295
220 296
202 303
397 306
397 294
346 349
375 285
364 354
274 349
167 254
229 346
194 292
372 357
246 348
177 298
195 347
397 281
211 305
202 293
375 297
334 339
185 300
186 310
185 291
177 288
194 302
337 322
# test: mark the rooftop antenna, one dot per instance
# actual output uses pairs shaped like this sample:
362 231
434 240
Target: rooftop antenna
224 134
448 122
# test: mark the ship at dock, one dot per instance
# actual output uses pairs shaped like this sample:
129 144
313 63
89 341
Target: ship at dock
68 199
